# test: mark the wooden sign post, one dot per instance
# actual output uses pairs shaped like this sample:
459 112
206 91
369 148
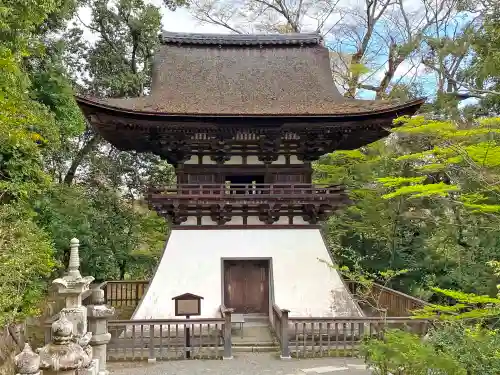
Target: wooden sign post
187 305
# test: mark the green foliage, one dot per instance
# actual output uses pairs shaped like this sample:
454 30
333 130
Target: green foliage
25 261
465 306
403 353
474 347
426 200
118 239
452 348
43 139
119 64
469 156
27 131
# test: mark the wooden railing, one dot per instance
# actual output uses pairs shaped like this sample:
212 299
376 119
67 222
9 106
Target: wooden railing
379 297
211 338
341 337
120 293
249 190
276 320
124 293
166 339
129 293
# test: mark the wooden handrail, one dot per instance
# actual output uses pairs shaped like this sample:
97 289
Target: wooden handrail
357 319
401 294
396 303
244 189
277 310
165 321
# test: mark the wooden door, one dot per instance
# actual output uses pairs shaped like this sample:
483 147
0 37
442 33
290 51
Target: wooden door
246 286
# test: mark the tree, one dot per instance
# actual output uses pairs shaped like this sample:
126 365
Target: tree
27 131
118 239
376 45
426 200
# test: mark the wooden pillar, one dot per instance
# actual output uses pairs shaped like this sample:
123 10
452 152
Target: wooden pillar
181 174
228 343
285 349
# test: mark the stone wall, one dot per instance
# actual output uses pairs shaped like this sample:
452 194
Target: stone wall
8 350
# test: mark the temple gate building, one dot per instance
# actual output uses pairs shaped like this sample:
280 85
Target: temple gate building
241 118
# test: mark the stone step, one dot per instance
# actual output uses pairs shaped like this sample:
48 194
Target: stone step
256 349
257 344
256 318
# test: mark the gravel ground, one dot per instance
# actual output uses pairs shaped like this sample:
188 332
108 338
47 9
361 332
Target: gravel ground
244 364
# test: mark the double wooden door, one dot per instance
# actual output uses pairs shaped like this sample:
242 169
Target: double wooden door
246 286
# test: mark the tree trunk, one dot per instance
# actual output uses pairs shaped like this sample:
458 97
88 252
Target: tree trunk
84 151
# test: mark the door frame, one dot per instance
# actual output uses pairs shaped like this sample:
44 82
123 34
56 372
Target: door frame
269 261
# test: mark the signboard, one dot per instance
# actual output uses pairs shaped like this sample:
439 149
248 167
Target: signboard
187 304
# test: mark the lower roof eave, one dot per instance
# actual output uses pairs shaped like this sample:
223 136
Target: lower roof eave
90 106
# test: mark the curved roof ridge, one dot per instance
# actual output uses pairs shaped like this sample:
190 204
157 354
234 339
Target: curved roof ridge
167 37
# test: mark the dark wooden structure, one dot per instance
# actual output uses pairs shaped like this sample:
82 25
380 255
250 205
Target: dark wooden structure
246 286
241 117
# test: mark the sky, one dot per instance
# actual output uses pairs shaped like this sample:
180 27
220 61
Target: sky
180 20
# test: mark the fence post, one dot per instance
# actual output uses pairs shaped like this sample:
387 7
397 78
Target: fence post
228 344
285 350
152 356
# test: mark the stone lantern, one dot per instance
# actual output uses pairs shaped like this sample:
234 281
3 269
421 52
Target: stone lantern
71 286
64 356
27 362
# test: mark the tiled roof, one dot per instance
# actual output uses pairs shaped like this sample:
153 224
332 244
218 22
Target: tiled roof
244 75
241 39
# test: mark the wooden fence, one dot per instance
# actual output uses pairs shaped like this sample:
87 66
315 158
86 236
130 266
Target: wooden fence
340 337
211 338
166 339
395 304
121 293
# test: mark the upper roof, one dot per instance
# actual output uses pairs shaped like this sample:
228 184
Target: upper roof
249 75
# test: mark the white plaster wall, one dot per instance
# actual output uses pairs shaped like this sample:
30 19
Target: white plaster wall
295 160
254 160
238 220
235 159
192 160
207 160
191 263
238 160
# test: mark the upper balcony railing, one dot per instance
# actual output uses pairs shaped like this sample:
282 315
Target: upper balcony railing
249 191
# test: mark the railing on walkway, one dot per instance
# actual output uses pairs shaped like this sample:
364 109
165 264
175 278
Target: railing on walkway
166 339
211 338
326 337
280 327
236 191
394 303
124 292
